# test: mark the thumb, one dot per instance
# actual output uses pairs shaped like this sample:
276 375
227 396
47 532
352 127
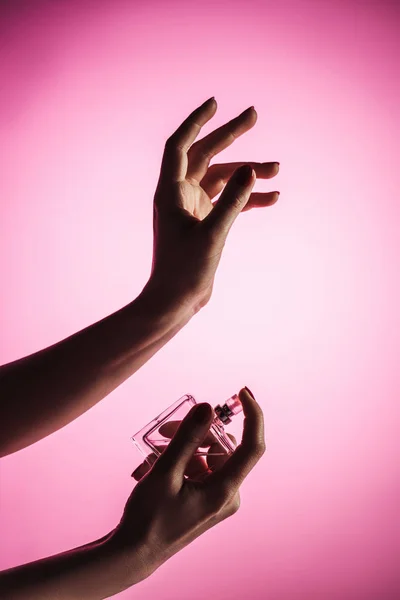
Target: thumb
187 439
232 200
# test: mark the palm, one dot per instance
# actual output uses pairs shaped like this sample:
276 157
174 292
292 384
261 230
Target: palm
194 199
186 249
197 196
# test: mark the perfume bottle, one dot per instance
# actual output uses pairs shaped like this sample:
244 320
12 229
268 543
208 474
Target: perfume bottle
156 435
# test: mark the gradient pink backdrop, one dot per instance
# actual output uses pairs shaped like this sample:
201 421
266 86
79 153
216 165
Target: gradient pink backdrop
305 304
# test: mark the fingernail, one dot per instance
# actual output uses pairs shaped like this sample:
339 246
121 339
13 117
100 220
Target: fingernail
209 100
247 110
244 175
277 163
202 413
250 392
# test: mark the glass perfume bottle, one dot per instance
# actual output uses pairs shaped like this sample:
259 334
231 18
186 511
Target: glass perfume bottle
156 435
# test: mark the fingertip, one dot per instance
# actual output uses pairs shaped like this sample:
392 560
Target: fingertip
244 394
203 412
232 438
135 471
249 391
211 102
247 397
244 175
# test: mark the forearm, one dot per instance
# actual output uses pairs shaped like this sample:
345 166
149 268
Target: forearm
46 390
95 571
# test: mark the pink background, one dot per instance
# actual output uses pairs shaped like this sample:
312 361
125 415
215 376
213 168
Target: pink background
305 304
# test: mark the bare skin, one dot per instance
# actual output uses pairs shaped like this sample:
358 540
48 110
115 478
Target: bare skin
45 391
189 230
164 513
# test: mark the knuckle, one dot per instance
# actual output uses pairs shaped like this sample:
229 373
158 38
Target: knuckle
260 449
172 142
191 437
203 153
234 505
164 477
228 510
237 202
175 143
160 469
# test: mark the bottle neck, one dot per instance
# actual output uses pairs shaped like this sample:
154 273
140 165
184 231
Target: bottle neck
223 414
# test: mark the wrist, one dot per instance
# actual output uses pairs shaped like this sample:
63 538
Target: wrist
164 305
131 559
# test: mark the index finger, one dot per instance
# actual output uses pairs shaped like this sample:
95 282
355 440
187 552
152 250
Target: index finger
174 162
230 476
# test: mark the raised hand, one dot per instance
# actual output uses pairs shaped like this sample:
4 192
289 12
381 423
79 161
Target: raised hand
189 230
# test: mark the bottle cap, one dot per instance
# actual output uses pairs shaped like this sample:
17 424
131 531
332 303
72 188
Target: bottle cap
234 404
231 407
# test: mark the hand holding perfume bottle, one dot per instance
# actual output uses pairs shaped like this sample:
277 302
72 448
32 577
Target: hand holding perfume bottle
153 439
167 511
